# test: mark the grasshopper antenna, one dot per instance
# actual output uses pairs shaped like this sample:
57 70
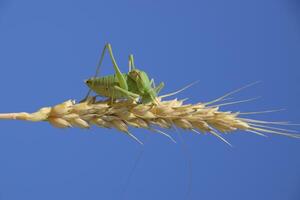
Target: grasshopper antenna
132 170
184 150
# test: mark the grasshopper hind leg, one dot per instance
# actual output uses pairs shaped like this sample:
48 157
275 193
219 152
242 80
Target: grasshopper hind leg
97 70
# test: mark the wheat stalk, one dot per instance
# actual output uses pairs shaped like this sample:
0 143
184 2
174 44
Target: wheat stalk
199 118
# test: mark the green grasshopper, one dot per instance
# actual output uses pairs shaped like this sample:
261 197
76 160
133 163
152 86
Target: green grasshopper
132 85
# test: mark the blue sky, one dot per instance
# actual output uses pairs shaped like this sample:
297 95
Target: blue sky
49 47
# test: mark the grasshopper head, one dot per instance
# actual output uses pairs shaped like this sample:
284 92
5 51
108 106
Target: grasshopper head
143 83
141 79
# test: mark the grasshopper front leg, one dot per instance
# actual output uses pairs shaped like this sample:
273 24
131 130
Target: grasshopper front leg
127 93
159 87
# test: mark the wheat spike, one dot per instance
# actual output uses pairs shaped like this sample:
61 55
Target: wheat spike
124 113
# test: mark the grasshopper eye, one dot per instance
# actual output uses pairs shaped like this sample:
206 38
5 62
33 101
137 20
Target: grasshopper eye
135 74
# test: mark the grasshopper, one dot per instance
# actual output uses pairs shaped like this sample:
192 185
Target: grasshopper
132 85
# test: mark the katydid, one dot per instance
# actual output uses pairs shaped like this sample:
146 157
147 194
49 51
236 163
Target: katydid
132 85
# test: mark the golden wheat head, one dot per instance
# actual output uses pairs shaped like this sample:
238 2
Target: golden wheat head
199 118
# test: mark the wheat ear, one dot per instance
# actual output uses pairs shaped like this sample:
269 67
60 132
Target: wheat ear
199 118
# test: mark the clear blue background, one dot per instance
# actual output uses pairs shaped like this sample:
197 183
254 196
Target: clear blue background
47 49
